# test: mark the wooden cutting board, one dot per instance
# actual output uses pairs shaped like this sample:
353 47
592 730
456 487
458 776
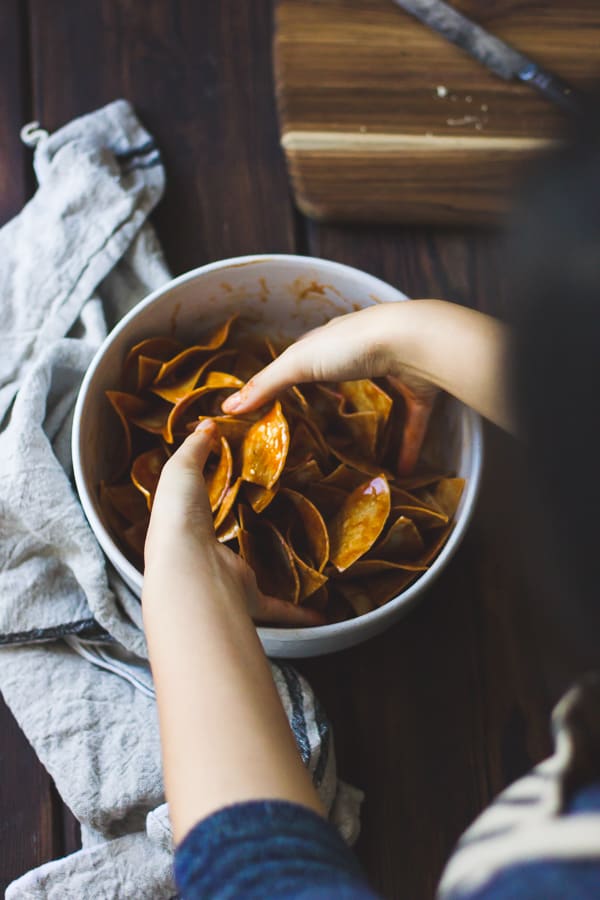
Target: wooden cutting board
383 120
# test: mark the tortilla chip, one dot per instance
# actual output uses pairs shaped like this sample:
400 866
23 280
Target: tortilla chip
418 480
357 595
432 551
223 379
126 500
135 537
314 531
425 513
366 396
228 529
147 371
246 365
300 399
218 479
362 428
357 525
401 541
422 516
305 445
159 348
125 405
310 579
265 447
180 415
373 566
345 478
154 418
347 453
381 588
328 499
145 472
227 503
230 427
302 475
318 600
271 351
258 496
196 352
268 554
447 494
177 385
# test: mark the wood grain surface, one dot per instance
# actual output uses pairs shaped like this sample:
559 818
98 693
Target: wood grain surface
382 119
437 715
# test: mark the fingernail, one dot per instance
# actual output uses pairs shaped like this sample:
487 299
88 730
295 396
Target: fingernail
205 425
232 403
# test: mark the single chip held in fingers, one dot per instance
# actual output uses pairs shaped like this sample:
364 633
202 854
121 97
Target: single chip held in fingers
265 448
358 524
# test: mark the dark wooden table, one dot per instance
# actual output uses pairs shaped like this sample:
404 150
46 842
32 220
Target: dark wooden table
433 718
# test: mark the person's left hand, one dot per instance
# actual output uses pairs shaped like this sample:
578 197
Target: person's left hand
182 551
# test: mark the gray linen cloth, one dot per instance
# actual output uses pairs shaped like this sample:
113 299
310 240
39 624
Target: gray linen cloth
73 665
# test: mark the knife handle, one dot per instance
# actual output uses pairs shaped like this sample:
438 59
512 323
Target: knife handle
553 89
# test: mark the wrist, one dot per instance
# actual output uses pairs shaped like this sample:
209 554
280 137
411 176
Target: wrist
400 337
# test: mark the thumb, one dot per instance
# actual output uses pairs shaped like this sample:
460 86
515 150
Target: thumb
181 493
194 451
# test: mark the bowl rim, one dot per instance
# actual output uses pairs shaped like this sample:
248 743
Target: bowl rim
471 423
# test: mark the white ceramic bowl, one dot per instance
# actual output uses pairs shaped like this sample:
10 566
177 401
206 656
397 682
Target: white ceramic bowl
284 296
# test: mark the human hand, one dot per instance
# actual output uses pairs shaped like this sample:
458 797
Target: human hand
362 344
183 554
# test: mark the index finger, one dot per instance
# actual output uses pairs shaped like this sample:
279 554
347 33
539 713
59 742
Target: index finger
286 370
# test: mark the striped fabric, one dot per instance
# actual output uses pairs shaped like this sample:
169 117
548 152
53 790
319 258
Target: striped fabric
541 837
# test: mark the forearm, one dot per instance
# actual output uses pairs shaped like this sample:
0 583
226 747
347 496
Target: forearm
225 737
457 349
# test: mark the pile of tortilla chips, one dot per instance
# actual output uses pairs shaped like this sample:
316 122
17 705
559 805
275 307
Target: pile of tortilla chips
304 489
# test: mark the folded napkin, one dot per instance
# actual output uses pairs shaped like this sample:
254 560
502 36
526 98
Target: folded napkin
73 665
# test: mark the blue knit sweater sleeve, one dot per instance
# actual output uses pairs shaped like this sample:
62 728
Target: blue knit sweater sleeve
267 849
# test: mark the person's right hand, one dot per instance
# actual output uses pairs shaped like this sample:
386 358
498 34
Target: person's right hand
357 345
